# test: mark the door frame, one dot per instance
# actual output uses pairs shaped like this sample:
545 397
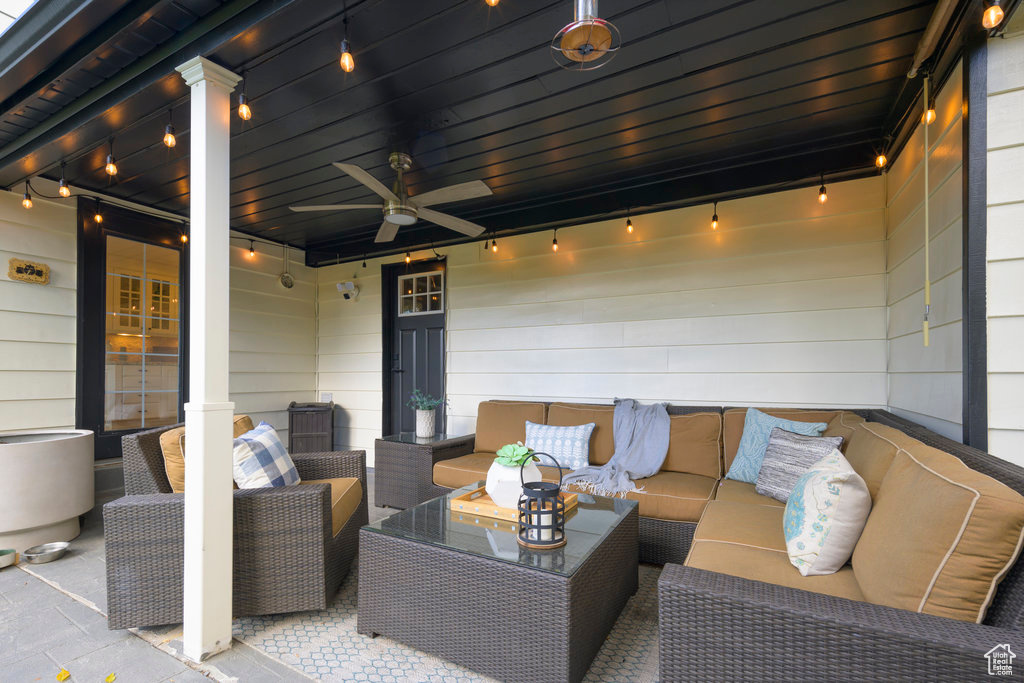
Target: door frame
389 273
92 266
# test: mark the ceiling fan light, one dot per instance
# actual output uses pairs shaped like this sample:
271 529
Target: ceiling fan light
589 42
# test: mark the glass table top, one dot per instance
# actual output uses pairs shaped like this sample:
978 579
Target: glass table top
433 522
410 437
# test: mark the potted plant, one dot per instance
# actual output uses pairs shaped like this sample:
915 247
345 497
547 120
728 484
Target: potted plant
425 406
503 483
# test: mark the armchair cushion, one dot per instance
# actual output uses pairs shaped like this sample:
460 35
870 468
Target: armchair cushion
346 495
172 445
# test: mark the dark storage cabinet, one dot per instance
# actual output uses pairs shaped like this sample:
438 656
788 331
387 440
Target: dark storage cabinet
310 427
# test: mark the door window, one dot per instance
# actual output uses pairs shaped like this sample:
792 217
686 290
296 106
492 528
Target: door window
420 294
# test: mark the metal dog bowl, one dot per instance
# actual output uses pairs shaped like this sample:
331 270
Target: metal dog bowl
47 552
7 557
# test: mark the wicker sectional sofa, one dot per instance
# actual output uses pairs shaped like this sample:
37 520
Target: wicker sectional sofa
731 605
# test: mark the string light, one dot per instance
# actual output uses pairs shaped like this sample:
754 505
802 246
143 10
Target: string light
714 218
408 257
881 161
184 236
364 260
169 138
554 241
492 3
244 112
487 245
993 15
111 167
26 201
98 216
252 249
63 190
822 194
629 225
348 64
494 246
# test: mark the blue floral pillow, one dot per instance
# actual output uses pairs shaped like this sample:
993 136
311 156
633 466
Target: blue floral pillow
757 432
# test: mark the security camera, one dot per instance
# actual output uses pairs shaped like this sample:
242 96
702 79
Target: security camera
349 290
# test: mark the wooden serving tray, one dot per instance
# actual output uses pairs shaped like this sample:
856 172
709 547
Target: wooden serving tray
477 502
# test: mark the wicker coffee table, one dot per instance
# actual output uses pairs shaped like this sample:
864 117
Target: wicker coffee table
460 587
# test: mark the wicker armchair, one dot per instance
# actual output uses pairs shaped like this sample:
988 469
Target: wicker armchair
285 556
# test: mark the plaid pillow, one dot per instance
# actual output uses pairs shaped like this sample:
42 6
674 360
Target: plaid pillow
260 460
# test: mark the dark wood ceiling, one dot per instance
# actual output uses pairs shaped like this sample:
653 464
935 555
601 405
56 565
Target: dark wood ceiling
704 100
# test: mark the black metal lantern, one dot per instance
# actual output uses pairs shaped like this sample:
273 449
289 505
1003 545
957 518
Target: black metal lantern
541 511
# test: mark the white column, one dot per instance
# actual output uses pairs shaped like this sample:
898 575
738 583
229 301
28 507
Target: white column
208 414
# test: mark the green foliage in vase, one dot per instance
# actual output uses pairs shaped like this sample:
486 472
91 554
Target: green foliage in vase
514 455
420 401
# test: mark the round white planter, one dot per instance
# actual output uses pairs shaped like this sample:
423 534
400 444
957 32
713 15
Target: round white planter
424 424
48 483
503 483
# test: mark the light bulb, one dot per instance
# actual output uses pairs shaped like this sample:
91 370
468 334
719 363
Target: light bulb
169 138
408 257
714 222
822 195
554 244
928 117
494 246
64 190
184 238
492 3
111 167
98 217
993 15
348 64
252 249
27 201
881 161
244 112
629 226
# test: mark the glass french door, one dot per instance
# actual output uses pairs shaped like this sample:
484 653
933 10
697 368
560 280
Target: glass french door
131 324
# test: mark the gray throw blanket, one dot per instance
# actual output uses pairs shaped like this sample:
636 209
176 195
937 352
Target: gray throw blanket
641 444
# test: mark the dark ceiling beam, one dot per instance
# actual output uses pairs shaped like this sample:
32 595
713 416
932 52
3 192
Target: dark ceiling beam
202 37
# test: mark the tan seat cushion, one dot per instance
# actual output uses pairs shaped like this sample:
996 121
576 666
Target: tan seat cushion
733 418
674 496
172 445
742 492
346 495
602 444
503 422
770 566
940 536
870 450
469 469
695 444
759 526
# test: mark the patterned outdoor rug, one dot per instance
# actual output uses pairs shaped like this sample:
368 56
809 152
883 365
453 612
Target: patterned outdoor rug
325 645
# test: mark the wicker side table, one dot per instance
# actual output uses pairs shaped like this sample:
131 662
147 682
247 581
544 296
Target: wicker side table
404 467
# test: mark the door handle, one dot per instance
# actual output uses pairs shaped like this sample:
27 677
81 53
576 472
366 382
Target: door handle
397 370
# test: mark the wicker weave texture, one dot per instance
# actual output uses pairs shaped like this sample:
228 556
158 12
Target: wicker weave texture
500 619
404 472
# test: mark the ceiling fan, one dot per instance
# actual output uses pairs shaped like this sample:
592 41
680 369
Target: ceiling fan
401 209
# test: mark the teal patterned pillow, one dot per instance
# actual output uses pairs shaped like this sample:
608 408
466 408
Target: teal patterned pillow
757 431
570 446
825 515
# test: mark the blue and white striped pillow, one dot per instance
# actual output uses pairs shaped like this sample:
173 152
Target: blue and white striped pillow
260 460
570 446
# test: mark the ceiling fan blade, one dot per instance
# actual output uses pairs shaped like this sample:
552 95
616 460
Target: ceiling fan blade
456 224
453 193
334 207
387 232
367 179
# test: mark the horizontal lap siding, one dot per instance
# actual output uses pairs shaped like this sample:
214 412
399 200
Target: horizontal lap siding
784 305
926 384
1005 268
37 322
272 334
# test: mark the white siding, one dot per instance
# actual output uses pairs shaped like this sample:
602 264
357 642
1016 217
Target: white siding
784 304
37 322
272 334
925 384
1005 268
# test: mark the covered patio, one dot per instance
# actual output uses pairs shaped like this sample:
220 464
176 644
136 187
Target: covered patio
291 216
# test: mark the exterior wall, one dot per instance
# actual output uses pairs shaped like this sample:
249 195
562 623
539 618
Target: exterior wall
272 334
37 323
926 384
783 305
1005 267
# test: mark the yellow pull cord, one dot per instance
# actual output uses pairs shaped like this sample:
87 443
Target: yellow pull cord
927 234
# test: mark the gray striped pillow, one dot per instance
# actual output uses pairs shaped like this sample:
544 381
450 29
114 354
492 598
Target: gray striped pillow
787 458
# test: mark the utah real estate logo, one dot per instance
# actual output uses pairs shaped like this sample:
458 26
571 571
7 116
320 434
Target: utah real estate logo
1000 660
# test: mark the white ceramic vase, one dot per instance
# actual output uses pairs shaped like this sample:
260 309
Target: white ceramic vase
424 424
504 486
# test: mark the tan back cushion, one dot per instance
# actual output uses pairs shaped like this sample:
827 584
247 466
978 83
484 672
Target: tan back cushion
843 424
940 537
733 418
871 449
172 445
602 443
695 444
503 422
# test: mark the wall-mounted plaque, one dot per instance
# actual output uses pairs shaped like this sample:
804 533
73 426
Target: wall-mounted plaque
26 271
